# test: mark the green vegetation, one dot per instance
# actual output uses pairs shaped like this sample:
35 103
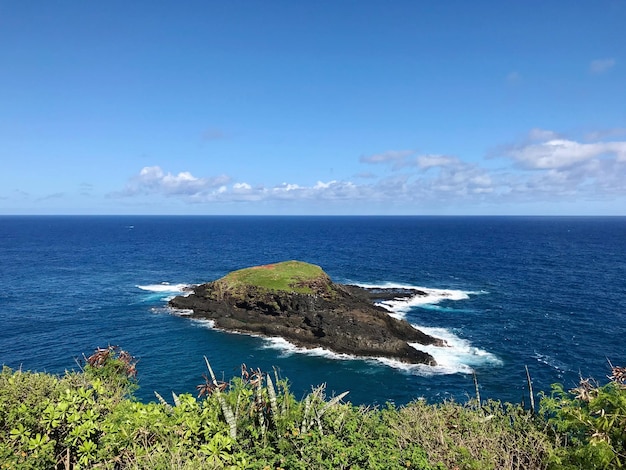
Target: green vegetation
90 419
591 421
290 276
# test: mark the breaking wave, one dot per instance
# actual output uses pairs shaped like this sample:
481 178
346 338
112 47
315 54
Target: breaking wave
459 356
163 287
426 296
204 322
164 291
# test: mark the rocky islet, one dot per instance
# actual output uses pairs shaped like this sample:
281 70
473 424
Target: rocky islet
298 302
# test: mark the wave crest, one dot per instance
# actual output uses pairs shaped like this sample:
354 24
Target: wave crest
399 307
163 287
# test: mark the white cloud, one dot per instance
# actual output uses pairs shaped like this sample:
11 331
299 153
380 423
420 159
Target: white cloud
153 180
331 190
401 159
390 156
287 187
430 161
460 179
545 168
322 185
559 153
565 169
600 66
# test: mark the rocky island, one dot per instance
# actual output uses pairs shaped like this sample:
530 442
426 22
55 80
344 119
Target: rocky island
298 302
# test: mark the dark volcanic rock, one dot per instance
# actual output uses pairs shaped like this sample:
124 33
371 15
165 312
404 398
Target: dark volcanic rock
340 318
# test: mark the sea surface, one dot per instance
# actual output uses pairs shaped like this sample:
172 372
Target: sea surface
548 293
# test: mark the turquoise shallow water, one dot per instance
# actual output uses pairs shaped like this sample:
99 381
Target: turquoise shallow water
549 293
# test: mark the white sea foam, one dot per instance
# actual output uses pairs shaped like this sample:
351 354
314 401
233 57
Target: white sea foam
459 355
551 362
204 322
288 348
423 369
400 306
167 310
164 287
180 312
165 291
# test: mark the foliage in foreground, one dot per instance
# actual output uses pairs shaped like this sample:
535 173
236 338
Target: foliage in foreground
91 420
591 422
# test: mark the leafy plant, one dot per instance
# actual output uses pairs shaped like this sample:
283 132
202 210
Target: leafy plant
591 422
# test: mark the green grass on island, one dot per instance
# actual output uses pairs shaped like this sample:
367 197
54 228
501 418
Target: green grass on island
289 276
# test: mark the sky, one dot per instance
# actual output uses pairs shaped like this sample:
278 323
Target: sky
326 107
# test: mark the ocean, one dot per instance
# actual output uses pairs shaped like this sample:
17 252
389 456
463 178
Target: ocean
548 293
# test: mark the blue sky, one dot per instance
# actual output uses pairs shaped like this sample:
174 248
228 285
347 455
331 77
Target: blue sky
320 107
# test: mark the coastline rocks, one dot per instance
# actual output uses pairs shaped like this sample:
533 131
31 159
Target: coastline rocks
315 313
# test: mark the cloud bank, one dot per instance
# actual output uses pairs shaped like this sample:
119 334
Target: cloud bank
153 180
546 167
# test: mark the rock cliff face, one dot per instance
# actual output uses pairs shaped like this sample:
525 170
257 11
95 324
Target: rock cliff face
308 310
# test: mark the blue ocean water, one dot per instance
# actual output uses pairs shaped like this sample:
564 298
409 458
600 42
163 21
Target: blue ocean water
506 292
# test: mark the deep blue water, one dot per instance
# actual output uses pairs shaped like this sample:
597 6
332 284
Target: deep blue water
545 292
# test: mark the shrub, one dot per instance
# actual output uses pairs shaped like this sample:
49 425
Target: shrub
467 436
590 421
91 419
